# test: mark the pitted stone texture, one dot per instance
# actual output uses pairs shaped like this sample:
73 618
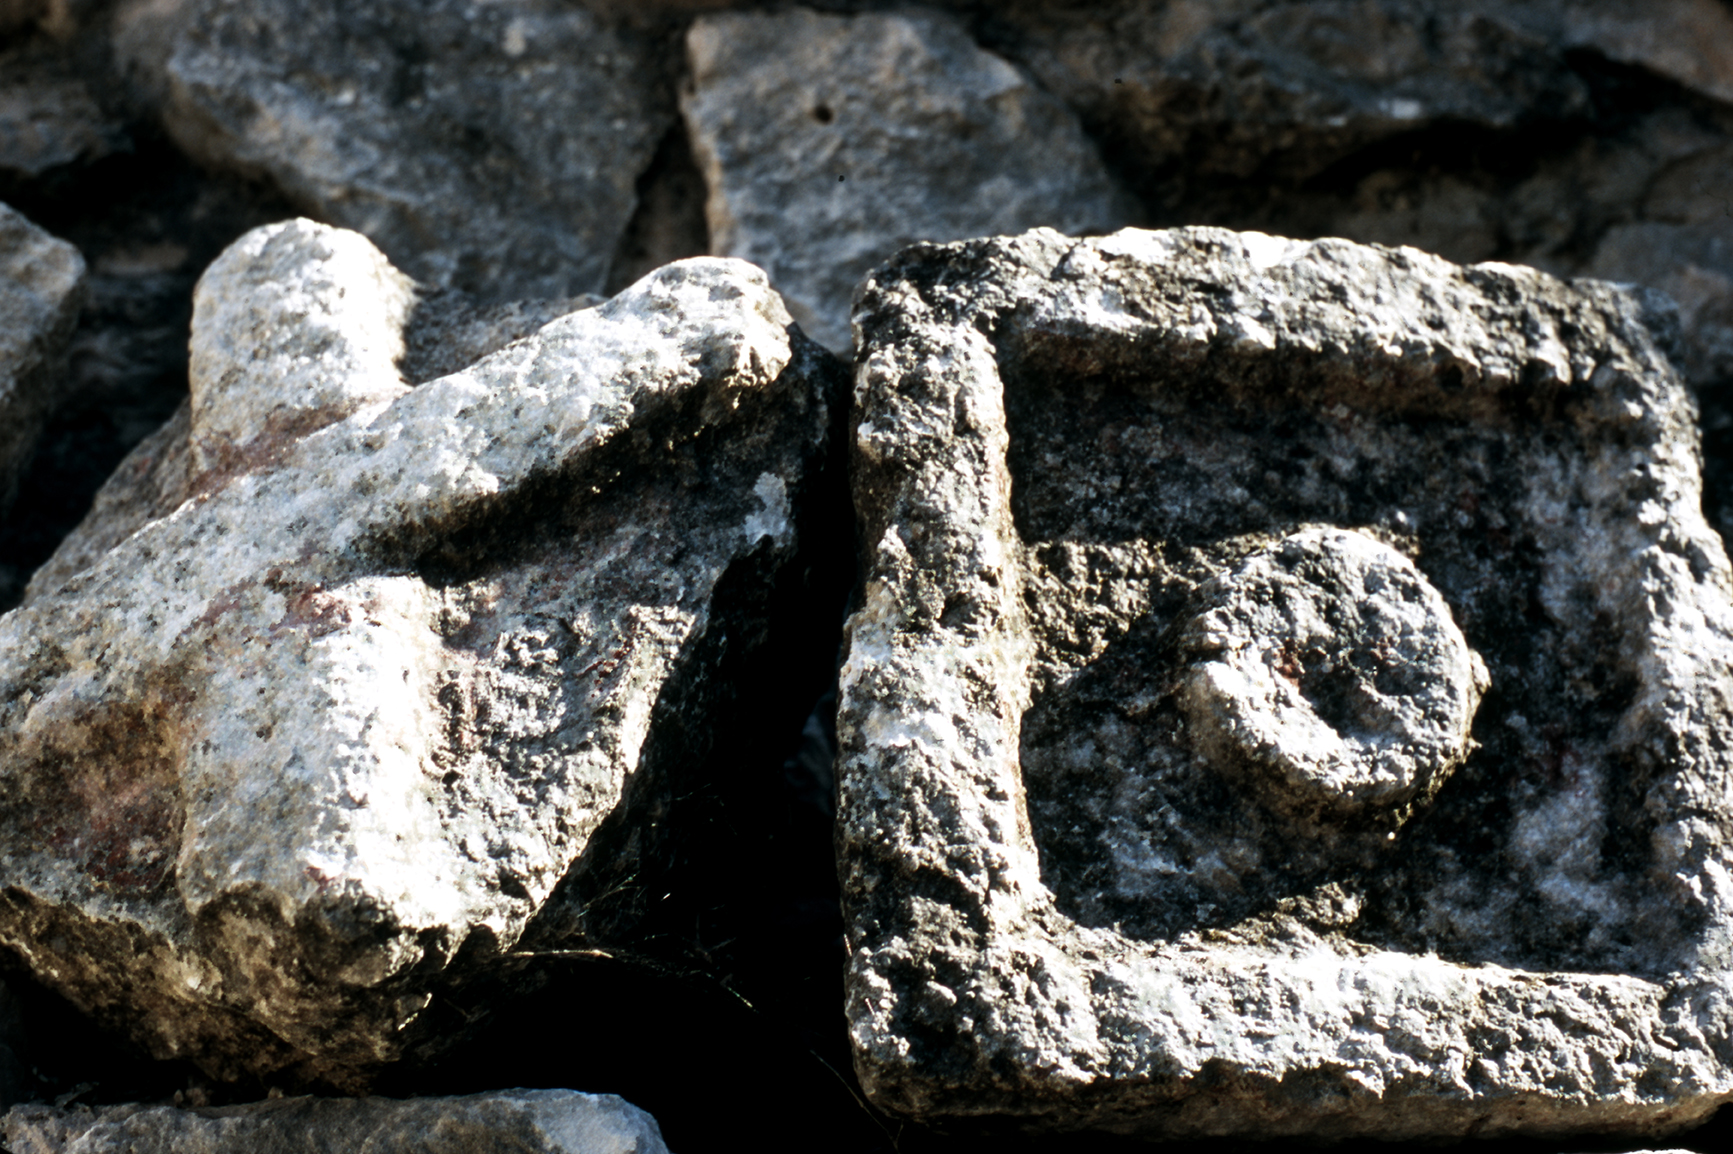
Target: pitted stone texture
525 1121
1058 909
1327 670
321 739
829 142
491 148
298 325
41 289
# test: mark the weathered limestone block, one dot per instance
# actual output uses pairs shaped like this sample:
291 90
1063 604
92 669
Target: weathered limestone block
1291 696
491 147
528 1121
41 289
830 142
323 737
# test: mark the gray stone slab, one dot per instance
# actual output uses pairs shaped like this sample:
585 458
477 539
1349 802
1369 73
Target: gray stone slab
491 148
1188 554
829 142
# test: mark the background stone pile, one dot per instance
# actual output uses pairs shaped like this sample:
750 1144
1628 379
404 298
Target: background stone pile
514 157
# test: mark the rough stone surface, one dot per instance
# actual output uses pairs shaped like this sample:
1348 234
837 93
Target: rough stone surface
294 326
151 482
444 332
1328 671
1689 42
1076 464
449 331
1682 244
526 1121
491 148
322 738
829 142
41 289
1578 137
1198 89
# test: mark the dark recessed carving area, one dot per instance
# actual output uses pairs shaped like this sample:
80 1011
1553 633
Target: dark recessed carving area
1130 496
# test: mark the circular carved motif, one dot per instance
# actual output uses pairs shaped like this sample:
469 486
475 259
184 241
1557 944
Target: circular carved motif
1326 673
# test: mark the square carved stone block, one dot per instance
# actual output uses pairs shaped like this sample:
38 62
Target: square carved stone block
1289 697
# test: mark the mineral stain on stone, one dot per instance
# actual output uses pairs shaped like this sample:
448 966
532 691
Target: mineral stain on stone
109 798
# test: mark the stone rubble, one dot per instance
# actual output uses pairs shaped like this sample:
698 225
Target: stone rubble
809 129
1355 784
41 289
322 737
1189 556
524 1121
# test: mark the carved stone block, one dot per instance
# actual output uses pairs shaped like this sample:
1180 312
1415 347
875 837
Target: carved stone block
391 678
1289 697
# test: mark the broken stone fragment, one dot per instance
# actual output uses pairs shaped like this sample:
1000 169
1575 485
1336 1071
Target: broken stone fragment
41 289
529 1121
491 148
322 735
1291 696
829 142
